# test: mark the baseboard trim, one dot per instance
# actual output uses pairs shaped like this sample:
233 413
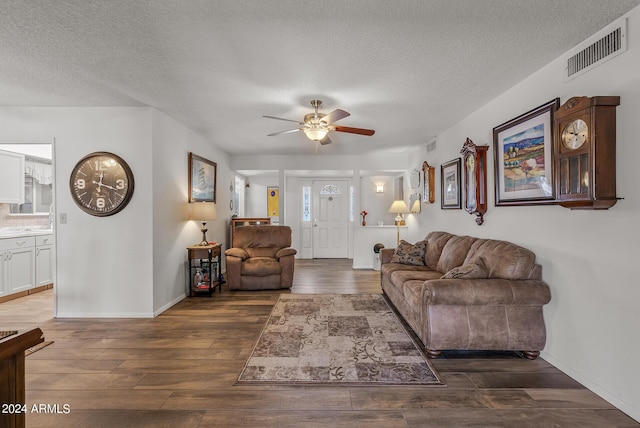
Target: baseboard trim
593 387
170 304
26 293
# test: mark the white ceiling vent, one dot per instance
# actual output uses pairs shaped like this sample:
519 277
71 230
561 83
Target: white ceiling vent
599 48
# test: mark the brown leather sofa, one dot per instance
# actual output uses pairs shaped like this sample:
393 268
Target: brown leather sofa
260 258
490 298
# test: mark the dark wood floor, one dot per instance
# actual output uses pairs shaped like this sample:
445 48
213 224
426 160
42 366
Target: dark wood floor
178 370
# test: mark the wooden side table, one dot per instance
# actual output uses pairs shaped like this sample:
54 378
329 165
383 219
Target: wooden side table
12 378
197 256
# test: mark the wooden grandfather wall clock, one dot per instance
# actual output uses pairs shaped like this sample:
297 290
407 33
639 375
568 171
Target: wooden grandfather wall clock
474 160
585 152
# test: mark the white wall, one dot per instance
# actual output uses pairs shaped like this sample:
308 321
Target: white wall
130 264
377 205
386 162
588 257
170 214
101 269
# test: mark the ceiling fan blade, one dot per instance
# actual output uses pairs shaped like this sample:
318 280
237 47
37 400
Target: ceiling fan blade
350 130
284 132
326 140
279 118
335 116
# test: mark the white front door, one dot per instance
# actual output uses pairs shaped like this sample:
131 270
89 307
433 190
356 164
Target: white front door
330 219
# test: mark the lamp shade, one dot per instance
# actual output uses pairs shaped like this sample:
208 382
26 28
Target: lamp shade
203 211
399 207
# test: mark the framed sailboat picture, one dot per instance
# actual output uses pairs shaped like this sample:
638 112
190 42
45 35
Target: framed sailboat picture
202 179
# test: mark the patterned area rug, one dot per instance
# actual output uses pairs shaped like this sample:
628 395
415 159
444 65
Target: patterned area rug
336 339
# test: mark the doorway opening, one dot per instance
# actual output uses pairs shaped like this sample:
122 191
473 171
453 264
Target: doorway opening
27 218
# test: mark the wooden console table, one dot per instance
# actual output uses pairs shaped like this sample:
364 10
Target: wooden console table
12 389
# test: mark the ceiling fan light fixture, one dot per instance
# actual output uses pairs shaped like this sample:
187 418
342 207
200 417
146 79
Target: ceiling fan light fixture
317 125
315 133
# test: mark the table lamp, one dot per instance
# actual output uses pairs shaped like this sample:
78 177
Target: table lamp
203 211
399 207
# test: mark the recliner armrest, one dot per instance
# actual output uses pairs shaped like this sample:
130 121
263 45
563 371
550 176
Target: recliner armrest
237 252
285 252
493 291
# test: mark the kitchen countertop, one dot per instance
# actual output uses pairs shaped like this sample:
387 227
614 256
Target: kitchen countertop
12 232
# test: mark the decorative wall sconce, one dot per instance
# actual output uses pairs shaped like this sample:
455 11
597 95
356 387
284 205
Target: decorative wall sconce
379 189
414 203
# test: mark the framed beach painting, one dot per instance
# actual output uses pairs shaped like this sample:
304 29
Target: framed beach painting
523 150
450 186
202 179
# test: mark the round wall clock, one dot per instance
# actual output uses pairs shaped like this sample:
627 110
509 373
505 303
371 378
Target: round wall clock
575 134
101 184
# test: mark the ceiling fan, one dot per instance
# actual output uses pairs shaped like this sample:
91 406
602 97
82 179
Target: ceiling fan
316 126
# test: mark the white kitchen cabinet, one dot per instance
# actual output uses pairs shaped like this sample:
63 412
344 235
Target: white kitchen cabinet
17 257
11 177
44 260
4 288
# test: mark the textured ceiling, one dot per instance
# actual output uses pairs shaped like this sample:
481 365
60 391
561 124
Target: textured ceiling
408 69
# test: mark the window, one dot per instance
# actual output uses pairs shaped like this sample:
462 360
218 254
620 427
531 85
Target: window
330 189
352 203
306 203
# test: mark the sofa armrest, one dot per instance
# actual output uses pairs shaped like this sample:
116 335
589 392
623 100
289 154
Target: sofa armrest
240 253
492 291
386 254
285 252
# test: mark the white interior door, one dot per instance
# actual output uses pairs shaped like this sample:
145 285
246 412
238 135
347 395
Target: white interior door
330 219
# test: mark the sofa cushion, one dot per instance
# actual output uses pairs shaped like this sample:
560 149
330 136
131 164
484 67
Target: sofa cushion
389 268
402 276
454 252
503 259
269 252
475 270
261 266
435 243
262 236
409 254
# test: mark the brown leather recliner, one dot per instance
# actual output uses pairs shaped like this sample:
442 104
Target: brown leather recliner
260 258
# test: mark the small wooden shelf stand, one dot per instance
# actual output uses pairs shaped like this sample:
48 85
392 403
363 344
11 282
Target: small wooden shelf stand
197 255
